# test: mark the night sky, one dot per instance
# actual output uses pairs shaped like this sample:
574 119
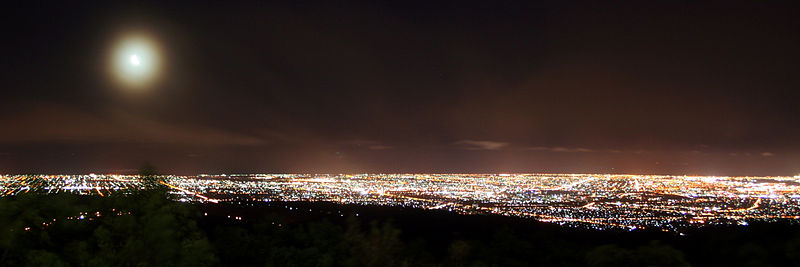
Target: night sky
673 87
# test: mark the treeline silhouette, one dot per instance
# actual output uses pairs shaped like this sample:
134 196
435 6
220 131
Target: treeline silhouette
147 228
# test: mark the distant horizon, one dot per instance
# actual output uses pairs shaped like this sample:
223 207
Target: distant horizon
414 173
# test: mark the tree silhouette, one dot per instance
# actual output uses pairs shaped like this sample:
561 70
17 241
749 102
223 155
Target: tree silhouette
149 177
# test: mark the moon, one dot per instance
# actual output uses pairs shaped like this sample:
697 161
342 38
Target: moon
135 61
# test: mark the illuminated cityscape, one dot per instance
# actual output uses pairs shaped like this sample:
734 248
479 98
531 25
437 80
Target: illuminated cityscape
400 133
597 201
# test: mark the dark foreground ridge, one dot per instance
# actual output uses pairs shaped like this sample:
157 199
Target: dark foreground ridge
147 228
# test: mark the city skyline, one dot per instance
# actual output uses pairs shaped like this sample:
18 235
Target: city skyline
592 201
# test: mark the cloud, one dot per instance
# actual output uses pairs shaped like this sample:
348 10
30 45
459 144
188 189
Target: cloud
480 145
562 149
359 142
368 144
53 123
746 154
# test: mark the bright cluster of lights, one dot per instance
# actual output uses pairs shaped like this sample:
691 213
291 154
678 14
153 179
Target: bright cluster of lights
599 201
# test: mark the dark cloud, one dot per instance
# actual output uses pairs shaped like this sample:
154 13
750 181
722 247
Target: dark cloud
453 86
53 123
561 149
481 145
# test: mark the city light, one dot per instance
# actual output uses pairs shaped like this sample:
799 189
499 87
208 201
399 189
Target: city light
598 201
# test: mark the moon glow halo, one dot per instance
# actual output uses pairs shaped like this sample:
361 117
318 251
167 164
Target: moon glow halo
135 61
